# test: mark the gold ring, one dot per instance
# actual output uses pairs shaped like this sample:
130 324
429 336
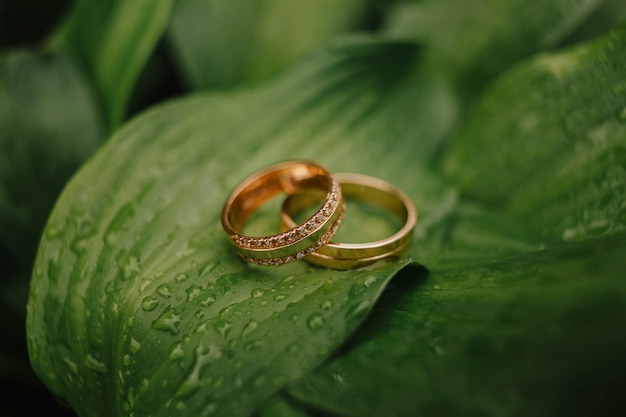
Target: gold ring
297 241
351 255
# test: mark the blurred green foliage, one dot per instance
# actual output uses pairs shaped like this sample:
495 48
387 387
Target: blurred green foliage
72 74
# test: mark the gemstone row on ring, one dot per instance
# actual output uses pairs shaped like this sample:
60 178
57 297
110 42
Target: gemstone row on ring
291 236
301 254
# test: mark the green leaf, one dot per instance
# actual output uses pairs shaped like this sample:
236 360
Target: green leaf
114 40
279 406
554 130
42 142
492 332
609 14
480 39
221 43
534 334
139 306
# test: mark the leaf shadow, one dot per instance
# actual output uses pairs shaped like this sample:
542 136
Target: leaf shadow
408 281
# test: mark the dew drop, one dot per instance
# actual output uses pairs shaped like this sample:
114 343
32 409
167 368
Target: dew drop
222 327
288 279
177 353
79 246
71 364
252 345
128 263
164 291
315 321
250 327
180 277
134 345
109 289
54 232
209 299
210 267
280 297
368 282
257 292
168 321
145 384
145 283
95 364
327 305
193 292
203 355
188 387
149 303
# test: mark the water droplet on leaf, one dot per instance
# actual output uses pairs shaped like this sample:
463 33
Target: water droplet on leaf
149 303
164 291
193 292
315 321
168 321
257 292
222 327
97 365
250 327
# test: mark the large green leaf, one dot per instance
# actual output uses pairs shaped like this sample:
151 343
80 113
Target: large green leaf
220 43
114 40
490 332
558 146
41 143
138 306
535 334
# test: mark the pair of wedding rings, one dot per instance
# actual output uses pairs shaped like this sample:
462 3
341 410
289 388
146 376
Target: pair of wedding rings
307 183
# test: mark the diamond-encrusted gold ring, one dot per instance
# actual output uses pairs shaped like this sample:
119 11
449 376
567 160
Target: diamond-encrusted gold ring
353 255
297 241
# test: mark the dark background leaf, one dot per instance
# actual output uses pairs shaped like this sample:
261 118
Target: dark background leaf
114 40
555 132
478 40
37 158
535 334
223 43
49 124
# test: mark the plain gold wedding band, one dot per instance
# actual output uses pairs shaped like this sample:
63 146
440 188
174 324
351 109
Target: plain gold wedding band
354 255
297 241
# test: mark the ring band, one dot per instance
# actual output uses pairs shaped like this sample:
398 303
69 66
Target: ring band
297 241
350 255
